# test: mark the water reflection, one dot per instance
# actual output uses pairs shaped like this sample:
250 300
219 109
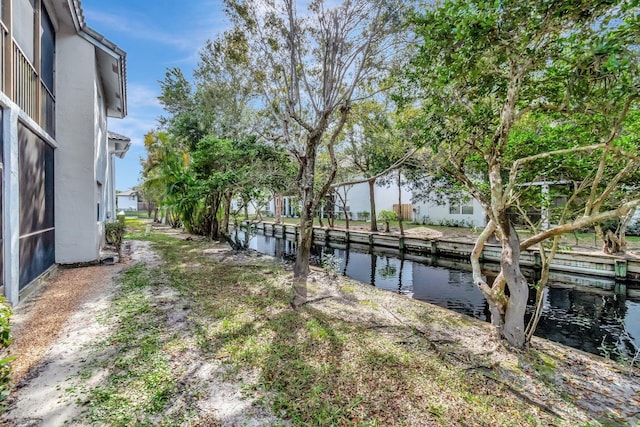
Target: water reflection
593 321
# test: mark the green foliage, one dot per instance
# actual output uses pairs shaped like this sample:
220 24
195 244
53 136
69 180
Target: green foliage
363 216
387 216
114 233
331 264
514 94
5 341
196 180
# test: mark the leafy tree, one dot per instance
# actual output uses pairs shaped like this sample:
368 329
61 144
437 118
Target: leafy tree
514 93
224 87
310 68
367 146
387 217
164 165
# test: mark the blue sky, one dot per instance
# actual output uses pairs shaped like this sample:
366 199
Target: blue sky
156 34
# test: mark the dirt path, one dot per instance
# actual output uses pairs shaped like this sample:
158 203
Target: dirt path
54 332
58 331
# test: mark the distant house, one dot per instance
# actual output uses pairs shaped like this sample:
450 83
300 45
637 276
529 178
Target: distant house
464 211
356 198
118 147
127 200
60 82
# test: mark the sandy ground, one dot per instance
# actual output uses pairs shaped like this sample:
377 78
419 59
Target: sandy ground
53 333
56 334
57 331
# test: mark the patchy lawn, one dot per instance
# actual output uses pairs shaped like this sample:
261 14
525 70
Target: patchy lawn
206 336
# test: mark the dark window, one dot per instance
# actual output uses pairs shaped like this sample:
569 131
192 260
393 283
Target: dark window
457 208
37 235
560 201
48 49
467 209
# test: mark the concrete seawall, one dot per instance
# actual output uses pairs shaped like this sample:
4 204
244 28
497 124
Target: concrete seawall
609 272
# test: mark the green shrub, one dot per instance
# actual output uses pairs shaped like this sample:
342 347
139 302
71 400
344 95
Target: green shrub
364 216
5 341
387 217
114 232
120 217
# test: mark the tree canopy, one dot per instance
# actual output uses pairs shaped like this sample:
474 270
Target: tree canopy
517 92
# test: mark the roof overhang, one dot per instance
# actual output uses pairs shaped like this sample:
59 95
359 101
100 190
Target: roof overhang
118 144
111 63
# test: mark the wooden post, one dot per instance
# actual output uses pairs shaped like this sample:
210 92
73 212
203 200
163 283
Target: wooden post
620 268
620 289
434 247
537 260
401 244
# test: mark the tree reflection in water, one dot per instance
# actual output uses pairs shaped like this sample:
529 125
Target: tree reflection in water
595 321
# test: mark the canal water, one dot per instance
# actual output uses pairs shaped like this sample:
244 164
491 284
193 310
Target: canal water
595 321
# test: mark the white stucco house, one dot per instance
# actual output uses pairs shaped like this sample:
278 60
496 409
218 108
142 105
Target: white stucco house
465 211
60 83
357 199
127 200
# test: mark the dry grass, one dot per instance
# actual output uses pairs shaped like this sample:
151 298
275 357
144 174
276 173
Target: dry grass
353 355
356 355
38 321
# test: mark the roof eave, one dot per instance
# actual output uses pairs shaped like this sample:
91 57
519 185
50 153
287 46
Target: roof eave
112 50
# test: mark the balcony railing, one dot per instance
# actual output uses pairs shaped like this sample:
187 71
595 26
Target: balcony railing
25 88
48 110
4 35
25 83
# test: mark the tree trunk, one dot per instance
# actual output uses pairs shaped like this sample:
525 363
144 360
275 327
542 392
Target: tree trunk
331 209
227 212
616 243
372 201
346 216
214 229
496 303
514 329
400 203
301 267
277 207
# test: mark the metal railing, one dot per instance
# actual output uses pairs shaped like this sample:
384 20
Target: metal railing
25 83
25 88
48 110
4 36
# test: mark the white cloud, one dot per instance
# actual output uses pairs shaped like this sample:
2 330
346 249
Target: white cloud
187 40
134 127
140 95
